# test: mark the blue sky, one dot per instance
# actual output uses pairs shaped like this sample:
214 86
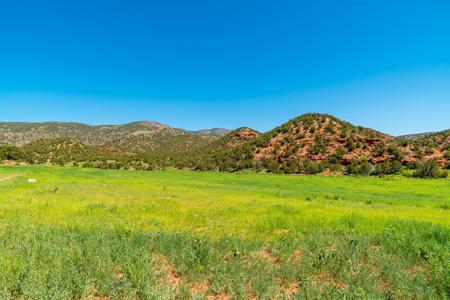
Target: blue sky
201 64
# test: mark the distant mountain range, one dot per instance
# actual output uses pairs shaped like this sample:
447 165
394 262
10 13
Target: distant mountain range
220 132
293 146
415 136
144 136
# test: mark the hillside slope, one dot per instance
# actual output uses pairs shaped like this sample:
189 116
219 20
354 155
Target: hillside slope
310 143
313 142
132 137
63 150
432 146
321 137
218 132
414 136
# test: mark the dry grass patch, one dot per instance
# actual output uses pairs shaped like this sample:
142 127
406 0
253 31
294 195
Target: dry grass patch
172 277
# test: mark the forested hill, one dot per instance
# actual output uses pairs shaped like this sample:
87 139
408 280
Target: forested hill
310 143
131 138
313 143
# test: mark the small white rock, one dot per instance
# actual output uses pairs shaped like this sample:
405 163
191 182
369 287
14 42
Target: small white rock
32 180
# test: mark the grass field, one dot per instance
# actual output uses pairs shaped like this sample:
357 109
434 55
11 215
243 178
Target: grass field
98 234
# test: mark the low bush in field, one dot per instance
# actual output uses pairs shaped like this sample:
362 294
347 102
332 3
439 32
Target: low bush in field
385 168
11 153
359 168
427 169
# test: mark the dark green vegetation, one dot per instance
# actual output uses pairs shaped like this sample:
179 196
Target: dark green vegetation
309 144
99 234
57 263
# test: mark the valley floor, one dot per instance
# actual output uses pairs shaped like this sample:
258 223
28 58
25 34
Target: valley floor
98 234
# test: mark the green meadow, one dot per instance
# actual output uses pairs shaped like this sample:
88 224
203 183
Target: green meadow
80 233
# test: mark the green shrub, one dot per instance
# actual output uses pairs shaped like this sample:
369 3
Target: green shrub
447 154
311 167
320 146
395 152
427 169
365 168
11 153
429 151
350 145
89 164
330 127
394 167
359 167
380 149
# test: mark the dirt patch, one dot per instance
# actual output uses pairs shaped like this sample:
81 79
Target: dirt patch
297 255
323 278
333 248
268 255
375 245
250 293
283 232
200 288
9 163
94 295
384 286
172 278
289 289
230 255
222 296
339 283
8 178
418 270
118 273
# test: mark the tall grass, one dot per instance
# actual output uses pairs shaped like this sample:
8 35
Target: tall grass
166 235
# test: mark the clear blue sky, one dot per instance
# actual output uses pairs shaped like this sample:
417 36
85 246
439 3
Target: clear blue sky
201 64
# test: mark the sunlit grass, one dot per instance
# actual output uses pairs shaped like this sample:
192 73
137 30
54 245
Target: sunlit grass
214 204
198 218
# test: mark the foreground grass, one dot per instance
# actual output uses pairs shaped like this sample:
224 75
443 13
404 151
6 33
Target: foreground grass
80 233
